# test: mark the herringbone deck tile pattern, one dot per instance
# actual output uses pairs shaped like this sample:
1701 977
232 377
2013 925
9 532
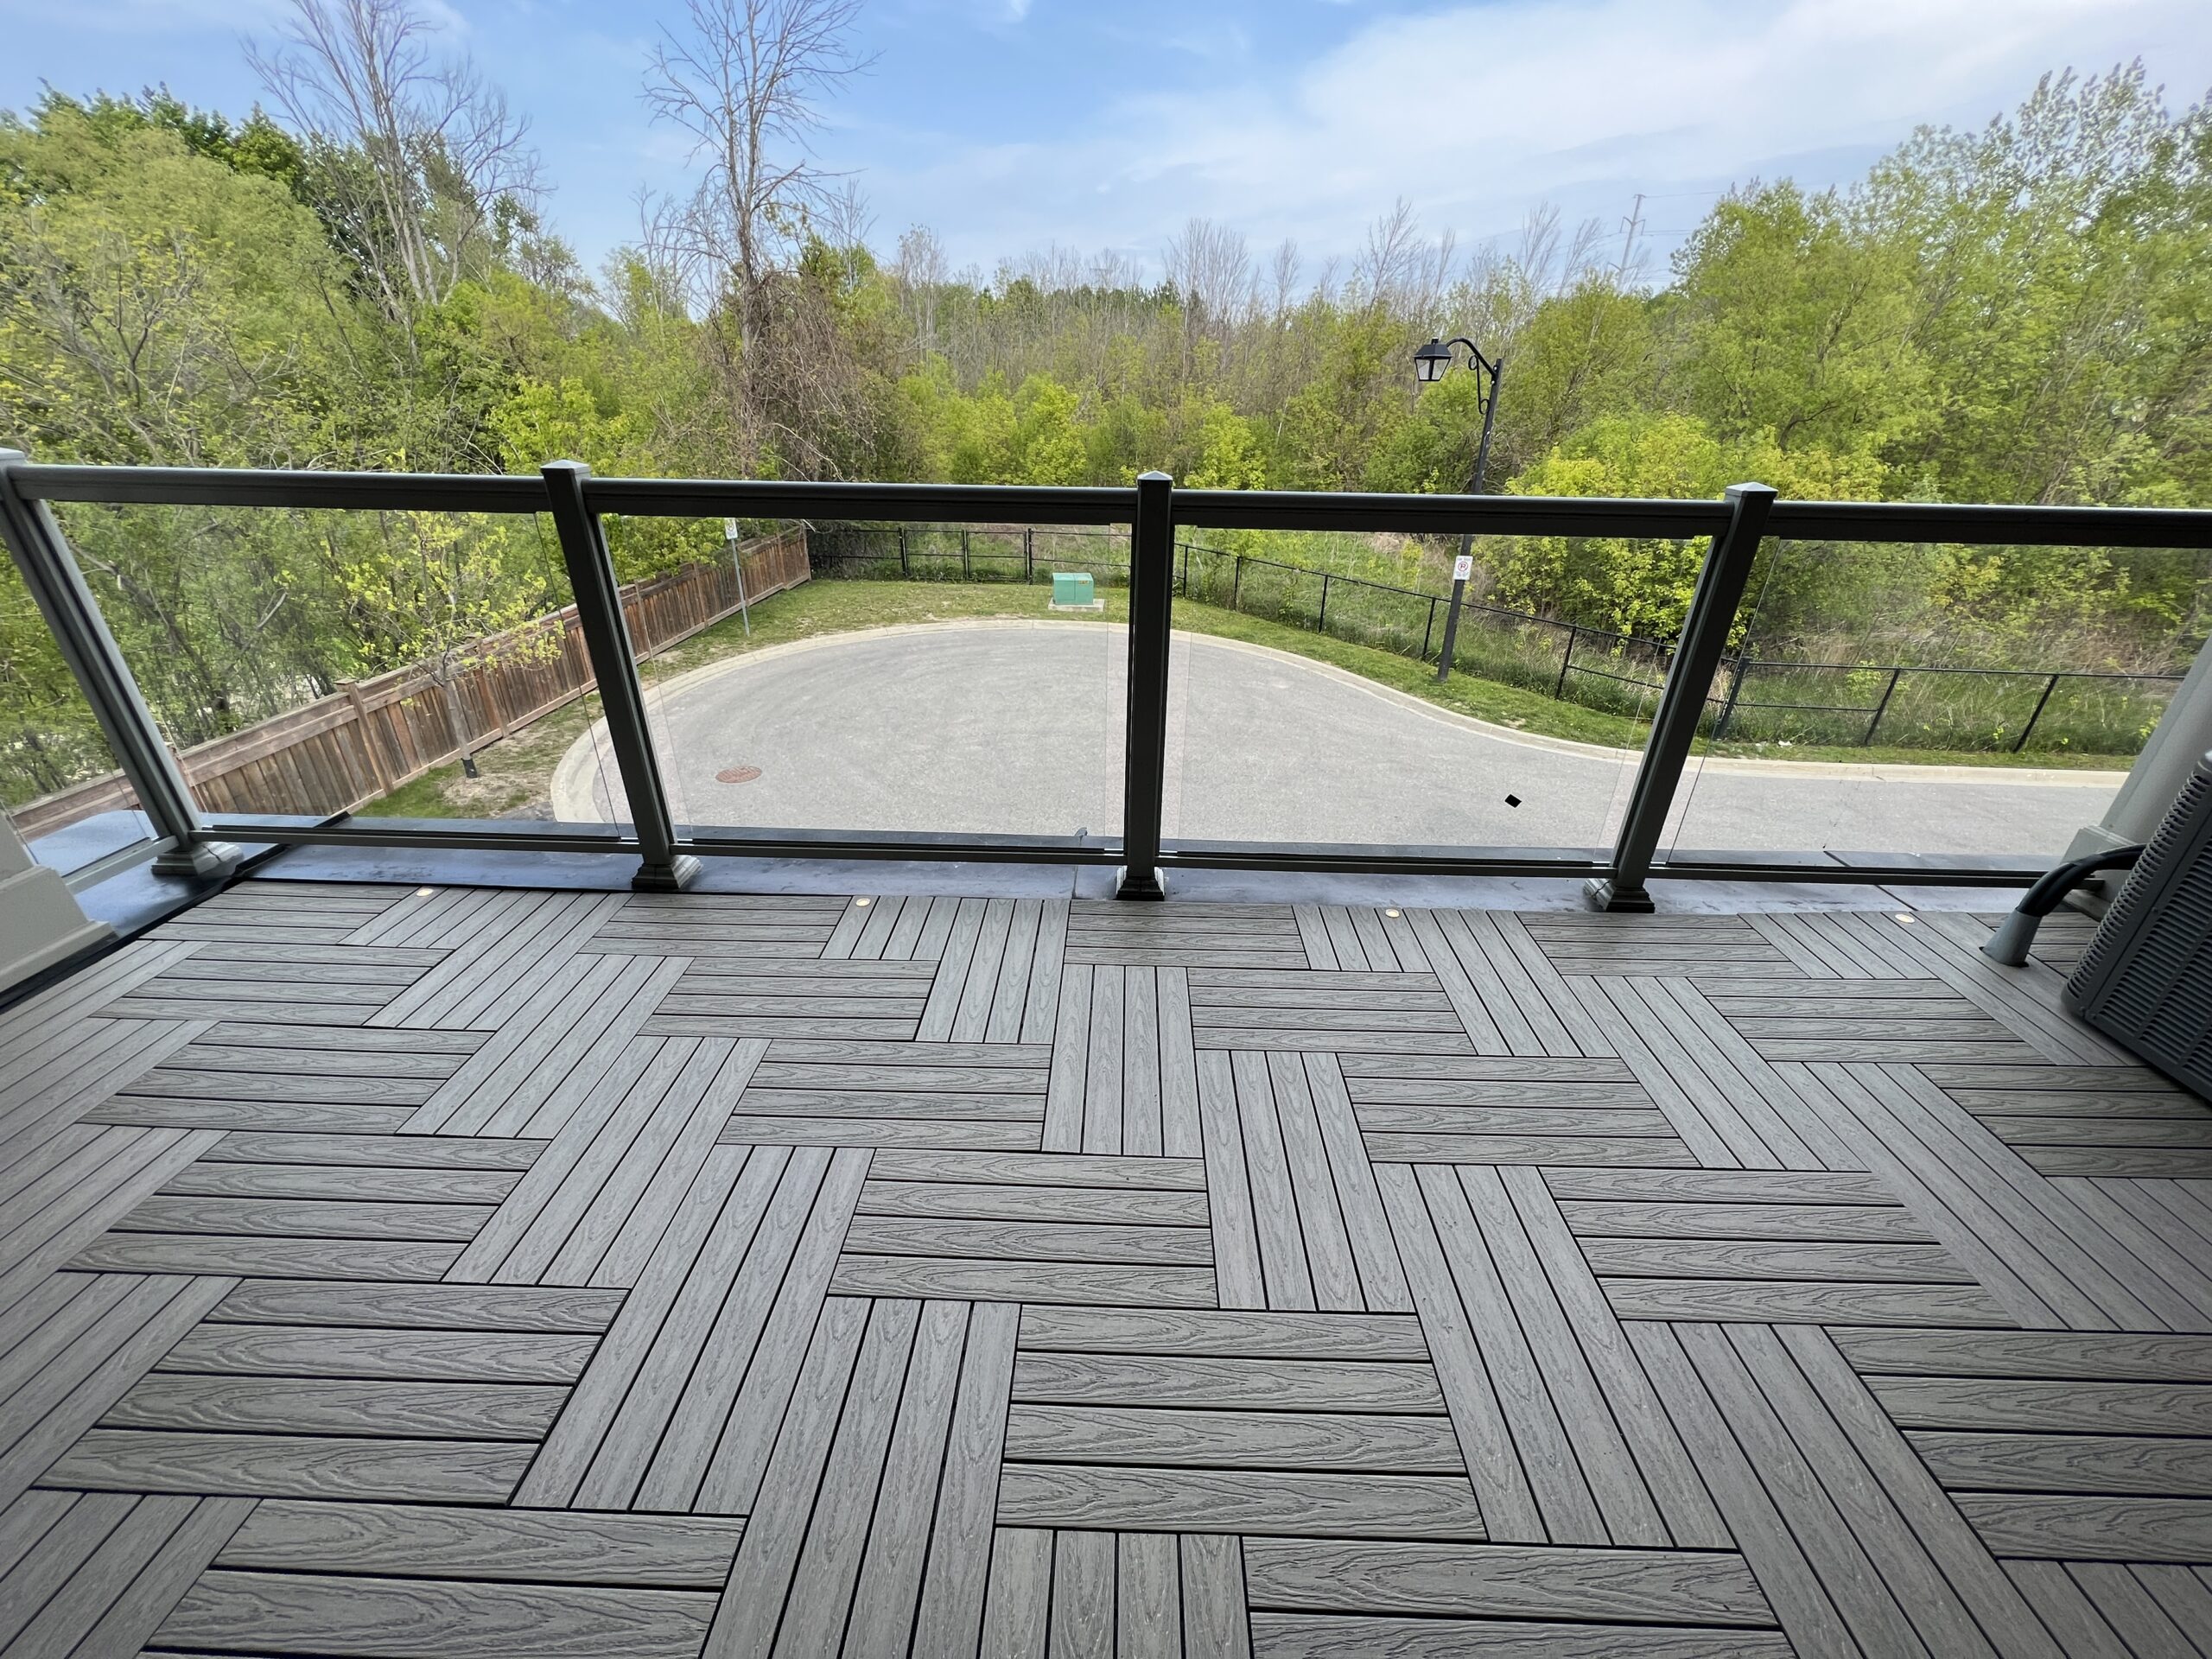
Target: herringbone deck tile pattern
405 1272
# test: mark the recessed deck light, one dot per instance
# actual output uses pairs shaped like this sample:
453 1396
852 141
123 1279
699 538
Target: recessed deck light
861 904
425 893
1390 912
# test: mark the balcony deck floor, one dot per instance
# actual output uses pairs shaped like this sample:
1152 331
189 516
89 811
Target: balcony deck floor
454 1271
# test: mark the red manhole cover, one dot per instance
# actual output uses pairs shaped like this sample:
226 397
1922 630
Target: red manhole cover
737 775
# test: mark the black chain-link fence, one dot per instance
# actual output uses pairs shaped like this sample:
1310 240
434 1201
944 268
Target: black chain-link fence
1752 700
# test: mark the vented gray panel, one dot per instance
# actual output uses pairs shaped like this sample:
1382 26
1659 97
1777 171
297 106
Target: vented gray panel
2145 980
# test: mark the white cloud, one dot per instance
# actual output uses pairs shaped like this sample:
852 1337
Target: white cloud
1477 113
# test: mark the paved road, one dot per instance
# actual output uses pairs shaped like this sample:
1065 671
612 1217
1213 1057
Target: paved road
1017 728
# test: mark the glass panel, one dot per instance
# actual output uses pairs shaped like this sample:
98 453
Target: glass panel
58 785
916 679
1303 705
396 664
1885 703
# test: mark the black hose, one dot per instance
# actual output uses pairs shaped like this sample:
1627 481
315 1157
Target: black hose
2016 935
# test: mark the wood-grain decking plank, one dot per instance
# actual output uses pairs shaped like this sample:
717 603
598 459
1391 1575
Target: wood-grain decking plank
1319 1636
1504 1581
305 1612
1249 1501
365 1469
415 1540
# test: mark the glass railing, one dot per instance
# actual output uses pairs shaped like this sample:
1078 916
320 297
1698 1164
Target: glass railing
946 693
1862 711
60 785
1143 676
308 664
1311 704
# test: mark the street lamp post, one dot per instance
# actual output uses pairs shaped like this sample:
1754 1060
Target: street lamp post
1431 363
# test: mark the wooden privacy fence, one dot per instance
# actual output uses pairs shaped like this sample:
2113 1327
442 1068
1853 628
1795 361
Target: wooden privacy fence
370 736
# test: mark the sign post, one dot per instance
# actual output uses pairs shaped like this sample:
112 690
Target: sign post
1462 567
737 564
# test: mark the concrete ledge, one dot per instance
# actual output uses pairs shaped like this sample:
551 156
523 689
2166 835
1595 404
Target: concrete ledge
41 924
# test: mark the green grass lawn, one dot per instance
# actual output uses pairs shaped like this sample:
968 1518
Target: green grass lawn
516 773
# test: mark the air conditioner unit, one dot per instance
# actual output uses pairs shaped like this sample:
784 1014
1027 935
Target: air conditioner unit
2145 980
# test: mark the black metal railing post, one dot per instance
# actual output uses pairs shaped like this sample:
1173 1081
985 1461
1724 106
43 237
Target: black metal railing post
1567 660
1029 555
1428 632
1144 787
57 587
2021 741
1881 708
1720 591
1321 621
661 868
904 573
1236 583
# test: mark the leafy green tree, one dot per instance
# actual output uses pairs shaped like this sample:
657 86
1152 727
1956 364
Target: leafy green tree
155 305
1795 317
1229 455
1643 585
2060 293
1348 408
1047 439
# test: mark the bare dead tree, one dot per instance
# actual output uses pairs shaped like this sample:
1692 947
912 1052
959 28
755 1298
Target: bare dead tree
1282 278
1053 270
1403 273
1582 254
846 222
1324 280
921 272
1429 277
1208 265
1391 258
1209 269
1550 264
1538 256
1113 270
417 156
745 78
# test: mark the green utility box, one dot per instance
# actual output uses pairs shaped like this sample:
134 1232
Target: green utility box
1073 590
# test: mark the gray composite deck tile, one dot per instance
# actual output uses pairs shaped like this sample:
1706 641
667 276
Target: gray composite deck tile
478 1269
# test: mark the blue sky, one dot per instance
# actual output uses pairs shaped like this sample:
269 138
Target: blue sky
1009 124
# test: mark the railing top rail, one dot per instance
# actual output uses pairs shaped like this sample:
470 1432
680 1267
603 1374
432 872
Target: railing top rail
1984 524
902 503
1485 515
1492 515
245 487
